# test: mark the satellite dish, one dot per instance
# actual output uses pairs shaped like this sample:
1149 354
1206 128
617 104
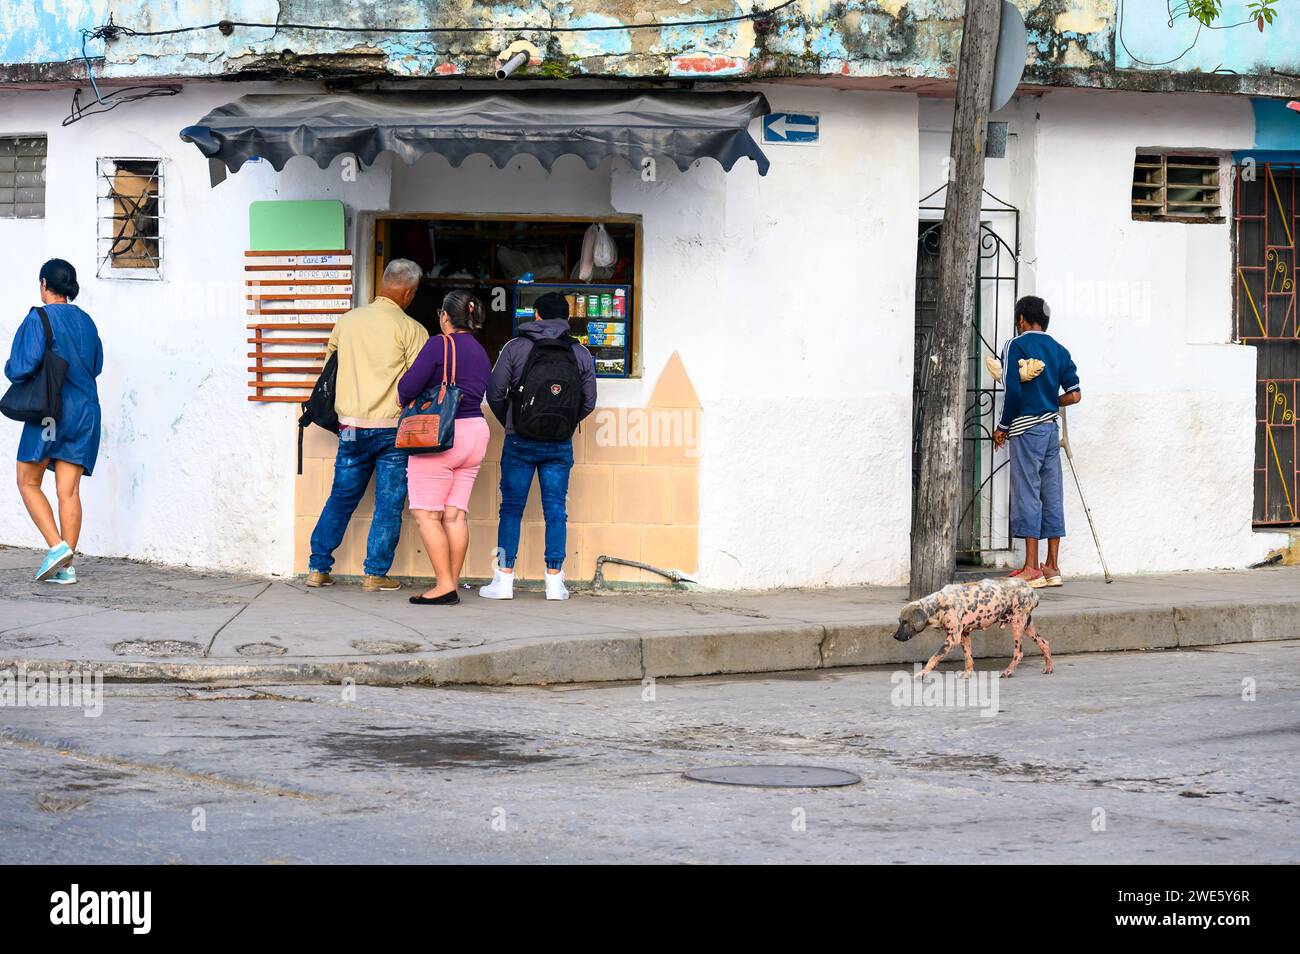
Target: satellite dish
1009 64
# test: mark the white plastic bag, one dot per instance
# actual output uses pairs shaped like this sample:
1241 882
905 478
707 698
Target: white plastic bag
605 253
586 263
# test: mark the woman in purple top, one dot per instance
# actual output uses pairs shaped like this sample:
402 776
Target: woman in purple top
439 485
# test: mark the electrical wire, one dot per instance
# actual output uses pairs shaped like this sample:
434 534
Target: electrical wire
1119 34
227 25
114 99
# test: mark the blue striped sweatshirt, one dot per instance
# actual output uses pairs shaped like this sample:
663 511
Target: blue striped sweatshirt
1030 403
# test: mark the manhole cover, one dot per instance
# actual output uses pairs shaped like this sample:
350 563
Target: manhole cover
260 649
28 640
378 646
774 776
157 647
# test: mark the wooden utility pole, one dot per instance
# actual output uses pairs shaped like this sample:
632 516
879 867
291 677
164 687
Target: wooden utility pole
937 501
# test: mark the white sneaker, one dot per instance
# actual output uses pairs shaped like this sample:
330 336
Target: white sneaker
502 587
555 589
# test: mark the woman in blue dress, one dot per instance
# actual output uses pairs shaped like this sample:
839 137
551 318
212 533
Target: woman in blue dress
69 445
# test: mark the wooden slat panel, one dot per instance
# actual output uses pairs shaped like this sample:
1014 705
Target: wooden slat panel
312 341
270 333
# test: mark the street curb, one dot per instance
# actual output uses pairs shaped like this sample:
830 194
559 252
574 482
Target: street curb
754 649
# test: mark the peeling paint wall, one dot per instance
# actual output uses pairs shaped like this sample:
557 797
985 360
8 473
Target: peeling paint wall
1070 42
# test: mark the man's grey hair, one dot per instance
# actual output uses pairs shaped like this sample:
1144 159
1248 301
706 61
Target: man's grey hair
402 273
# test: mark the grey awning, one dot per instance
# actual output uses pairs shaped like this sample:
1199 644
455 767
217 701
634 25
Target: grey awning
593 124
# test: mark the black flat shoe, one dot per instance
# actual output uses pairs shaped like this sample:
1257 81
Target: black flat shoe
447 599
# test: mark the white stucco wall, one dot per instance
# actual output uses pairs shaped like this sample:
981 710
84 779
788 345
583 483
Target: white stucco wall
1164 438
189 471
790 298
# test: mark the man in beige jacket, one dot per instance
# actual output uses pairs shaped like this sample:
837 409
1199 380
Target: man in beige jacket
376 344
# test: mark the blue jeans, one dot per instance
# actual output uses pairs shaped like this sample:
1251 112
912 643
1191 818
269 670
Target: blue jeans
552 461
363 452
1037 508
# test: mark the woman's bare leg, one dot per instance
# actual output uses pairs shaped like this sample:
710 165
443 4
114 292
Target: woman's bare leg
34 499
67 481
434 536
457 530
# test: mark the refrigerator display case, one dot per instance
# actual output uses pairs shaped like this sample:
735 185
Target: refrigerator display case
600 316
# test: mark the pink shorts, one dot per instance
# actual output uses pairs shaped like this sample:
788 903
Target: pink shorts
438 481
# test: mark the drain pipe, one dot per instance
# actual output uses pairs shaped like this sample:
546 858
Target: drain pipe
676 576
512 64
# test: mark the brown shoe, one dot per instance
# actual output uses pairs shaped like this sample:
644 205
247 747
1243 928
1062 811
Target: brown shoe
378 584
319 578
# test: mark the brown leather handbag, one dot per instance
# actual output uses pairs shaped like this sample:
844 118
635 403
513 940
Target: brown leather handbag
428 422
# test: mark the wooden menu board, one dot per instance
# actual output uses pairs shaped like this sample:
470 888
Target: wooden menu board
294 298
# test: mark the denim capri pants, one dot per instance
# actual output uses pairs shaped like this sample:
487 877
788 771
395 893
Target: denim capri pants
1037 508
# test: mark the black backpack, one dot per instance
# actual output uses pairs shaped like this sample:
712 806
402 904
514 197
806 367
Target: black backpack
319 408
547 403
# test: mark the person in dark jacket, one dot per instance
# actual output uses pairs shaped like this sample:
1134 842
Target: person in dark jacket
68 446
520 458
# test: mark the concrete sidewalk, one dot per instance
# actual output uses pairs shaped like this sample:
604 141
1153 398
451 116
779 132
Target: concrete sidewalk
143 622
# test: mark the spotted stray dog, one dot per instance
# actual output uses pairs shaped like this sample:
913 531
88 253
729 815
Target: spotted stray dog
961 608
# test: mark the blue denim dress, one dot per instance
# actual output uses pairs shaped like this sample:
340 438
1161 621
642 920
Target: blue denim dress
75 436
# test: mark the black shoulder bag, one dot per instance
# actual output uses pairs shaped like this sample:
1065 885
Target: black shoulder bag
40 397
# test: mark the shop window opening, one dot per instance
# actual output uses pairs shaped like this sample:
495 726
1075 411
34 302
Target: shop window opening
509 262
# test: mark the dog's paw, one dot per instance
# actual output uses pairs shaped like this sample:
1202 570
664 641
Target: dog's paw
1047 670
967 673
1007 674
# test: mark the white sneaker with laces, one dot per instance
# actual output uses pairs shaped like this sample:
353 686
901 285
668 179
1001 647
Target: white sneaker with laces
555 588
502 587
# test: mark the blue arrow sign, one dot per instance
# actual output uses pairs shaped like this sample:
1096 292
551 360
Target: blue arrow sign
802 129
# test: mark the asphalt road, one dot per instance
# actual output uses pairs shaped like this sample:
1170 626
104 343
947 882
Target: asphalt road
1116 758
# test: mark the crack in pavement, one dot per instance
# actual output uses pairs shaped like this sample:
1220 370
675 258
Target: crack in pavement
32 744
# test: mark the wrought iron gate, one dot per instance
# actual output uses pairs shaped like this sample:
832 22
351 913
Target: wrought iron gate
985 524
1266 220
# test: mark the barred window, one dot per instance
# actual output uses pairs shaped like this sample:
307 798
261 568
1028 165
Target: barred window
130 218
22 177
1176 188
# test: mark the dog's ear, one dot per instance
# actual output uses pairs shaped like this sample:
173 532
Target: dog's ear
915 616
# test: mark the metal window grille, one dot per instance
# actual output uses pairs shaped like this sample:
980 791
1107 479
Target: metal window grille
130 200
1266 244
22 177
1175 187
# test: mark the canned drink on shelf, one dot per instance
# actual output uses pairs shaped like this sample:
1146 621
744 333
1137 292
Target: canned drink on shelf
620 304
593 306
606 305
580 306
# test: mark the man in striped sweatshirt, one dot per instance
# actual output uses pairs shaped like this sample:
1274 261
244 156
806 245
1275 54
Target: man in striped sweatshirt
1040 379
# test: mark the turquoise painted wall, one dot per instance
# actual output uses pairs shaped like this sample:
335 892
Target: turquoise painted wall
1145 39
37 31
